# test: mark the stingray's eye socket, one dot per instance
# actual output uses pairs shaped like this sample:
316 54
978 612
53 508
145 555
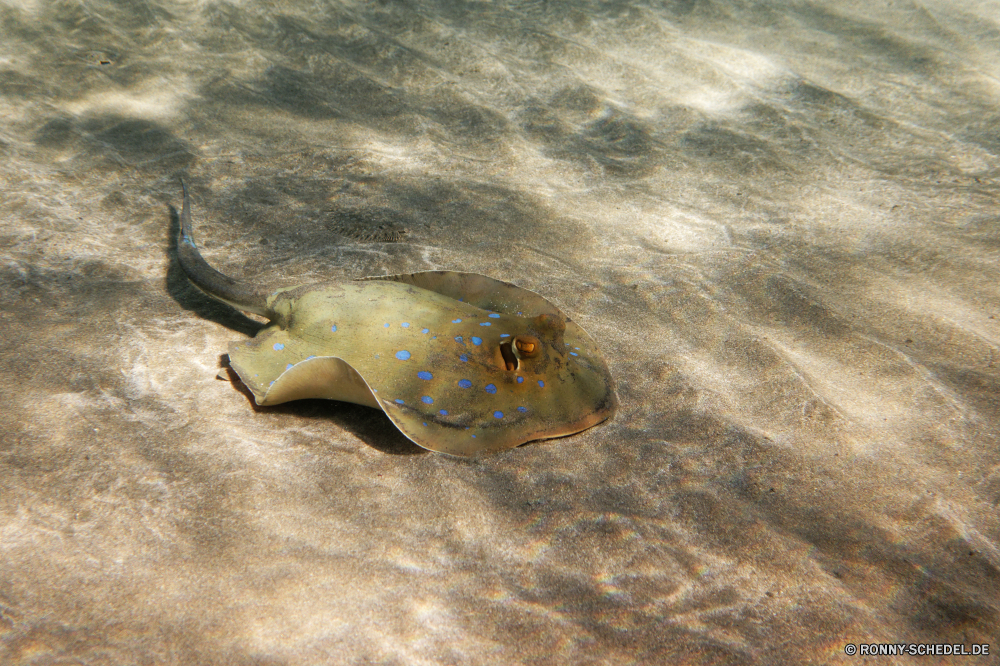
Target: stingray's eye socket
527 346
508 356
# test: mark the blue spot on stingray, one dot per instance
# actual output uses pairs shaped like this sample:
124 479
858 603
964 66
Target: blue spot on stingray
399 401
278 346
289 366
458 339
520 313
576 348
473 437
485 323
427 400
333 329
425 424
541 383
495 315
456 321
520 380
386 325
272 381
434 338
477 341
310 357
443 412
498 415
573 354
426 330
423 374
491 388
465 383
405 324
522 409
403 355
464 358
505 335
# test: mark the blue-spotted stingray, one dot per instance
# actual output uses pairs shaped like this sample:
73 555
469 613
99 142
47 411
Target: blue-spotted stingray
461 363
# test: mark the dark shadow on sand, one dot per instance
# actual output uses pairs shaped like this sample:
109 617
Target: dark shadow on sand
369 425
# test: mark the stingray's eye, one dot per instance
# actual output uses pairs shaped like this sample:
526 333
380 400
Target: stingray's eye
527 346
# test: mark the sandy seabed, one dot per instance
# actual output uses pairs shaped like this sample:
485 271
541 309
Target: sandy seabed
779 221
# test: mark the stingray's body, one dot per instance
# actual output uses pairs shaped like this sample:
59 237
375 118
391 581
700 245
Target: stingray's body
461 363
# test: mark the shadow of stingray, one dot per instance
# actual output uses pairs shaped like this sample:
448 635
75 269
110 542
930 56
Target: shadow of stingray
369 425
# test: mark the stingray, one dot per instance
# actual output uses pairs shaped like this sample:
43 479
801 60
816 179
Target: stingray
461 363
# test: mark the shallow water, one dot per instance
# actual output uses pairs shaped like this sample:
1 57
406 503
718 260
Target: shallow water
780 224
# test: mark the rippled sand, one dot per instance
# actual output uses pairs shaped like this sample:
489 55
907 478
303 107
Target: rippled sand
779 221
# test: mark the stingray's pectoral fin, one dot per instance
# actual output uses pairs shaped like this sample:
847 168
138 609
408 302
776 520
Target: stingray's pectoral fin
325 377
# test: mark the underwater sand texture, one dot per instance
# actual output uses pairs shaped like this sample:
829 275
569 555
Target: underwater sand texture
779 222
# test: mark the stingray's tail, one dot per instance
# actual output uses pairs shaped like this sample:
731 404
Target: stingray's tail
247 297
